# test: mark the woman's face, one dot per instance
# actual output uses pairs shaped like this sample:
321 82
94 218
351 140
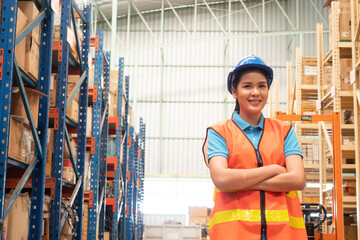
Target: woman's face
251 92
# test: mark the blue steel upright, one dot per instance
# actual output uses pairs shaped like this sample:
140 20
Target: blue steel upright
7 46
83 102
95 158
135 184
118 175
103 145
124 165
38 186
130 188
61 97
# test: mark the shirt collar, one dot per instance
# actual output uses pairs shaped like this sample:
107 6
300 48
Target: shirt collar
243 124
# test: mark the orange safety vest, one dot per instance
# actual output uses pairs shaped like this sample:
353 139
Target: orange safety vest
246 214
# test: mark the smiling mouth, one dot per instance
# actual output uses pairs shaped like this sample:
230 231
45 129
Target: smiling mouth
254 101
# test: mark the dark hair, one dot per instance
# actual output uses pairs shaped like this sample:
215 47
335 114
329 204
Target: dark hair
237 77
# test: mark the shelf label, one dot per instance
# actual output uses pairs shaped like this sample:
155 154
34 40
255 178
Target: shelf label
306 118
352 76
310 71
332 91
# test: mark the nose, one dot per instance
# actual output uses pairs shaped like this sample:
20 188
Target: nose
255 91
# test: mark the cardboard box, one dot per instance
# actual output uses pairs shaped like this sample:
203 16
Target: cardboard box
18 218
20 139
348 140
91 78
327 80
17 106
310 199
49 153
87 172
85 220
72 111
345 69
309 70
113 104
71 84
199 212
32 57
31 11
20 48
350 232
69 175
89 121
311 192
344 22
66 149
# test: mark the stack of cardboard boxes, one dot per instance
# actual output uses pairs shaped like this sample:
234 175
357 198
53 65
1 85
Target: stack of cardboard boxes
31 44
310 195
199 215
16 224
310 152
344 21
71 39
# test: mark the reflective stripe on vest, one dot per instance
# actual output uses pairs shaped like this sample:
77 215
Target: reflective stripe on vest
255 215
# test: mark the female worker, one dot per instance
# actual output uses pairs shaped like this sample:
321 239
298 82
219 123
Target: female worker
255 164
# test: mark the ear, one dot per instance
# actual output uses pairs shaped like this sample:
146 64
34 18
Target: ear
234 93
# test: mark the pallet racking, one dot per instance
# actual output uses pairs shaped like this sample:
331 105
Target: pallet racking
129 173
333 98
8 69
355 19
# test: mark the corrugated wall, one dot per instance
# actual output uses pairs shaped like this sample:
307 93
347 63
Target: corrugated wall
182 95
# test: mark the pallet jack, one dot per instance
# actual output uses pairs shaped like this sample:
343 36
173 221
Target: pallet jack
320 212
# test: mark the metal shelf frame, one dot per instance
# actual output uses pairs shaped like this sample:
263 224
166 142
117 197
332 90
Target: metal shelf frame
57 219
124 213
119 178
355 31
103 145
8 70
100 129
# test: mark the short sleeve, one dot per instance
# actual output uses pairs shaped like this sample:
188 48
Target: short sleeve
216 145
291 145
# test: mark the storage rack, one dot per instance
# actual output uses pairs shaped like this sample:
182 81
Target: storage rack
118 177
336 100
140 183
8 69
306 94
355 32
134 166
57 219
99 141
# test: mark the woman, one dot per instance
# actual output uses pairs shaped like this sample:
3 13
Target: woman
255 164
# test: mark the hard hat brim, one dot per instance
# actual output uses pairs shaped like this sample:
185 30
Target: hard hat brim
243 68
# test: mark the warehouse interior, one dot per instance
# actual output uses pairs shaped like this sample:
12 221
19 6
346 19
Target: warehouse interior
106 104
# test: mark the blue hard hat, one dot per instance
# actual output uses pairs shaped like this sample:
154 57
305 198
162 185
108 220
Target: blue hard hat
248 63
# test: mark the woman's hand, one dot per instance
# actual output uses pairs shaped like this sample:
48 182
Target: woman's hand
277 169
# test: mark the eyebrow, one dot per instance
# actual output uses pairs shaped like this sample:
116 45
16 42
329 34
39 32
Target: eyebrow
262 82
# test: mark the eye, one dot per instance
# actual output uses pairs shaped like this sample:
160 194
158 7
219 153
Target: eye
247 86
263 86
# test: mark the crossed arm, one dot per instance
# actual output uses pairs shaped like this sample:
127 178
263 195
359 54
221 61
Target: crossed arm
269 178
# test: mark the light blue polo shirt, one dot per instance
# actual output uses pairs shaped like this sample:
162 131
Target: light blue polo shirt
217 145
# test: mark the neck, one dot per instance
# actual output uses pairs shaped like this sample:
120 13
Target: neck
252 119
